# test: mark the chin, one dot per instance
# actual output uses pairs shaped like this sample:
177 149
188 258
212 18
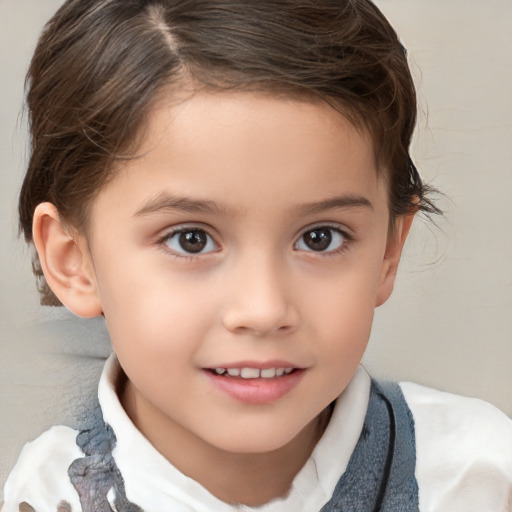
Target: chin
257 441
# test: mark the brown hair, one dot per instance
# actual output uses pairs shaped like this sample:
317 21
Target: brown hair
100 64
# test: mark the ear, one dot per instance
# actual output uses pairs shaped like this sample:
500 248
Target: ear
66 262
396 240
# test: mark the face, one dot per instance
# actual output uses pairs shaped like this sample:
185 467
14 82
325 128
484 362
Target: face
238 263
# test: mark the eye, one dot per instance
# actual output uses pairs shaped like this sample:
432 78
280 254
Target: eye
321 239
190 241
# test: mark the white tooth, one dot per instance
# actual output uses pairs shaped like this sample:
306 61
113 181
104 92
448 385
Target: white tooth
250 373
220 371
268 373
288 370
234 372
279 372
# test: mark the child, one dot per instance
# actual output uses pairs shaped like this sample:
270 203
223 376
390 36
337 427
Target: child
229 184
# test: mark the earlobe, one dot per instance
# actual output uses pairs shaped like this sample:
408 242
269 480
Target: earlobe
394 247
65 262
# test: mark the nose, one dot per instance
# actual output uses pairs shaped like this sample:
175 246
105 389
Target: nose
260 301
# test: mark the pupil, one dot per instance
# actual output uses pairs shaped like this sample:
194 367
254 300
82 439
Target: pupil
318 239
193 241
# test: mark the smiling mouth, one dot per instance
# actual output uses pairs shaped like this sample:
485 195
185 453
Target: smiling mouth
253 373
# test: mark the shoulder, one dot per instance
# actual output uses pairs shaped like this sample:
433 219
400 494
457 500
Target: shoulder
461 423
464 451
40 477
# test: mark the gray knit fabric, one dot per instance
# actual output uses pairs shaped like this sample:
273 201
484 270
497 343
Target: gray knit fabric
380 474
97 474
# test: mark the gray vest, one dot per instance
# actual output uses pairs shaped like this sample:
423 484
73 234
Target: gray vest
379 477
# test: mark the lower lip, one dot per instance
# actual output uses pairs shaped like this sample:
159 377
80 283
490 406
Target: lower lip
256 391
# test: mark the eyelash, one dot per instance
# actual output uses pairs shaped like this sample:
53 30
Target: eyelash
163 241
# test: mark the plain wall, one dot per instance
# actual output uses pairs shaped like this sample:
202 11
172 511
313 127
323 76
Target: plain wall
449 322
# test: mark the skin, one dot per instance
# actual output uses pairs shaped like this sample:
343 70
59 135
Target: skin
254 173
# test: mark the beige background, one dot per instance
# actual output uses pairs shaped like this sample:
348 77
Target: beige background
449 324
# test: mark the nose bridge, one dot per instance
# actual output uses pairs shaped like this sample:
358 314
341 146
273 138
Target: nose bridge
260 299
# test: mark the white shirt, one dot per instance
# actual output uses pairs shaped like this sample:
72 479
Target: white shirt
463 446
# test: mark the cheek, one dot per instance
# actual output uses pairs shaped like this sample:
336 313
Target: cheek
151 311
341 309
345 296
345 327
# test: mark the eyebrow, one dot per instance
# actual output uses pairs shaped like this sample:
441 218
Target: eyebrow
165 203
334 203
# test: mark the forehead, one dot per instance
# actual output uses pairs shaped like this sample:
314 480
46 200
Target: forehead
237 148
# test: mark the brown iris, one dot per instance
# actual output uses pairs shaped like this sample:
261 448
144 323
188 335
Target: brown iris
193 241
318 239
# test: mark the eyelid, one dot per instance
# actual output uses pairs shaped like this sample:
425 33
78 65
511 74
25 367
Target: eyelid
344 230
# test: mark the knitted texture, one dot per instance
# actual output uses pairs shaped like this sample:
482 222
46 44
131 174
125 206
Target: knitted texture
380 474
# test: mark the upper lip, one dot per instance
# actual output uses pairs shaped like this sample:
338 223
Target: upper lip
261 365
